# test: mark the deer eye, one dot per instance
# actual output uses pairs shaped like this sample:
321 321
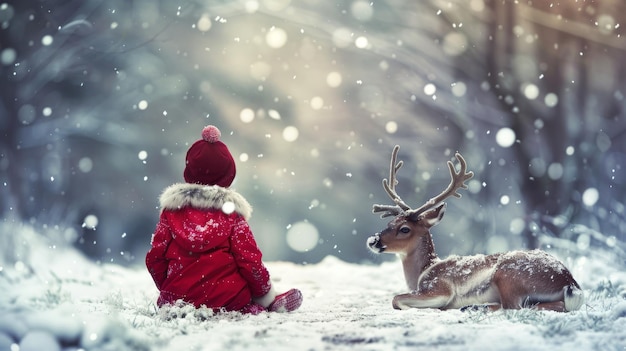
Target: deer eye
404 229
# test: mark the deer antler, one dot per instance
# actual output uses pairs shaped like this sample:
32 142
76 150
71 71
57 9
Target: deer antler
457 182
390 188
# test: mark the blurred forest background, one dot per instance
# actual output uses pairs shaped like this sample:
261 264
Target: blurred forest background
101 100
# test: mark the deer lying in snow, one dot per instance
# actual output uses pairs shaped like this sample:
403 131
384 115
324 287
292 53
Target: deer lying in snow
510 280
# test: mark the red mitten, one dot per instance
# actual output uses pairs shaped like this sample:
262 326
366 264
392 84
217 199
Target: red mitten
286 302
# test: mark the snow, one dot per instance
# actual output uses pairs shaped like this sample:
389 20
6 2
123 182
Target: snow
55 299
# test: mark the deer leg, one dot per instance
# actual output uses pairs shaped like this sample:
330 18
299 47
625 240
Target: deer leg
511 300
558 306
512 295
509 297
490 307
415 300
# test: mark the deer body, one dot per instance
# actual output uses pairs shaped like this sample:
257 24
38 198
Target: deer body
510 280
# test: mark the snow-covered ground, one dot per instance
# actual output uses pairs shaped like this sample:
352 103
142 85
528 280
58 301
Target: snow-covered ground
55 299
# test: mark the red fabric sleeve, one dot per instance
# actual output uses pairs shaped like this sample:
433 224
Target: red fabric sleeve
156 261
248 257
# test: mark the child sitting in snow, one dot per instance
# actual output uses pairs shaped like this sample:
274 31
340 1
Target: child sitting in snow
203 251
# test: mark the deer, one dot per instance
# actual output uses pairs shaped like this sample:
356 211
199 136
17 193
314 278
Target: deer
508 280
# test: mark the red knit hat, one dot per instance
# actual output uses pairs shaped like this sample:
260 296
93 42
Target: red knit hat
208 160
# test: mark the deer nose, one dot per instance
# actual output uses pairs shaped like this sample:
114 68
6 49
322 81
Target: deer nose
373 242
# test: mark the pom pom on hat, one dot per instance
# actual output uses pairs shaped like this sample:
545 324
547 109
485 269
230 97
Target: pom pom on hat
211 134
209 161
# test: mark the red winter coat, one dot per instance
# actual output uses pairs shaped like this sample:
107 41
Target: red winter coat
203 251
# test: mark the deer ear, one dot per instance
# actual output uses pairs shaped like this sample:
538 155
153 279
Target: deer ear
432 217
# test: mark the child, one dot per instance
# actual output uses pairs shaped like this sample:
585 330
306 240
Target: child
203 251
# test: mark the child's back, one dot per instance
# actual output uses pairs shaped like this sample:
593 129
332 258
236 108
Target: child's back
203 251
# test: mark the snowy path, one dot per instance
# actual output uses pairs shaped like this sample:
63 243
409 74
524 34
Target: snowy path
346 307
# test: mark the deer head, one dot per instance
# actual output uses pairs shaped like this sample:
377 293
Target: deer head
409 228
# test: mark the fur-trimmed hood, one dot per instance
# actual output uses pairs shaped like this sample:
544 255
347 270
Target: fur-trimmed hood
179 195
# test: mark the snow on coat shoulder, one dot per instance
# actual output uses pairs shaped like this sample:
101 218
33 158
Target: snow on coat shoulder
200 196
